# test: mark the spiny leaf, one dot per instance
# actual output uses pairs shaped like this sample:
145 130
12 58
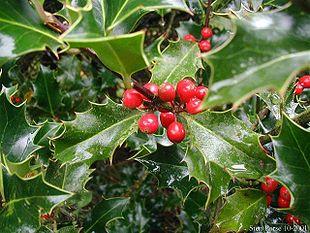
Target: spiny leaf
16 135
179 60
292 152
46 91
22 30
104 212
95 134
264 52
243 209
25 201
222 147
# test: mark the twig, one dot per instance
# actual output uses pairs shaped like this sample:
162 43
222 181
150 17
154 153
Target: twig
208 13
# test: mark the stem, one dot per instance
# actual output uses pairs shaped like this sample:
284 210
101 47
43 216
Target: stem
302 119
208 13
148 94
127 82
173 14
40 10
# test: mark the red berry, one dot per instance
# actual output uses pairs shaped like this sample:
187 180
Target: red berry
291 219
285 194
166 118
201 92
186 90
205 45
206 32
166 92
194 106
269 200
269 186
152 87
132 98
189 37
46 216
282 203
148 123
176 132
305 81
298 89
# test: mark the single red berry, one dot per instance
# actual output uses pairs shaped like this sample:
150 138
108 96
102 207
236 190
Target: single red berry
166 92
298 89
201 92
176 132
282 203
46 216
166 118
151 87
268 199
269 186
305 81
193 106
206 32
291 219
148 123
186 90
285 194
189 37
204 45
132 98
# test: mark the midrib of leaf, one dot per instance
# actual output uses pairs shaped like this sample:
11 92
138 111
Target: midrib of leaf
180 62
118 123
118 13
118 60
30 28
102 216
300 149
48 96
43 136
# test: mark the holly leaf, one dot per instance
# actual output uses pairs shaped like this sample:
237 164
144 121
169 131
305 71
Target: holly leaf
105 212
16 134
167 166
25 200
179 60
22 31
126 54
46 91
95 134
250 63
220 148
292 153
243 209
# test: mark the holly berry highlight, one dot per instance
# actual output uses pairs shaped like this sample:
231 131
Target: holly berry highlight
205 43
185 97
283 198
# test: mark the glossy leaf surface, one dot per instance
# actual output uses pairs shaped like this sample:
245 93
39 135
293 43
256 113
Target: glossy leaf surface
22 31
95 134
16 134
242 210
179 60
292 152
263 52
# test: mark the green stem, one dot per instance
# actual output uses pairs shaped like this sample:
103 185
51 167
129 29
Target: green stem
40 10
127 82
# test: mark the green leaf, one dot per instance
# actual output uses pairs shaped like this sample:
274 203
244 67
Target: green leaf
179 60
222 147
123 54
105 212
46 91
292 152
25 201
265 50
16 135
243 209
166 164
95 134
22 31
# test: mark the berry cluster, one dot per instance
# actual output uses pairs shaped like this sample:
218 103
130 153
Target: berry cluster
304 82
204 44
16 99
284 198
186 97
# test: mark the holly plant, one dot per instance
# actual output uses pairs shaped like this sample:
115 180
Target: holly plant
154 116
